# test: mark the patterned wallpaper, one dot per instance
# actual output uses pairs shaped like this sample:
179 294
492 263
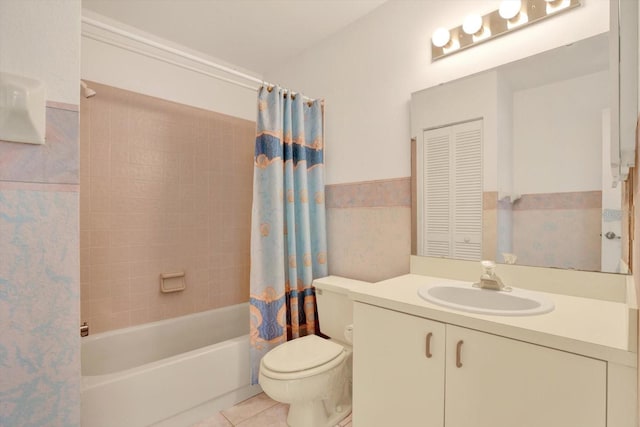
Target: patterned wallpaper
39 277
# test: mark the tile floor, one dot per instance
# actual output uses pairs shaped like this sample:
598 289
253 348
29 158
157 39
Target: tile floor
259 411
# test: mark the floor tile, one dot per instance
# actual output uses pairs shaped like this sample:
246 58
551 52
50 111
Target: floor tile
216 421
346 422
259 411
276 416
249 408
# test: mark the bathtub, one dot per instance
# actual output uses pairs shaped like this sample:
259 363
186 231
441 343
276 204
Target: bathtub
170 373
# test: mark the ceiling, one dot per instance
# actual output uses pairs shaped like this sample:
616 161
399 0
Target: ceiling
256 35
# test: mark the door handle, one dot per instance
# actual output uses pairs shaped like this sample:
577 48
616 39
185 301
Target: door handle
428 345
459 354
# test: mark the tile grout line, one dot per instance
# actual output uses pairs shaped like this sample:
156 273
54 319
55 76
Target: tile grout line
254 415
225 417
257 414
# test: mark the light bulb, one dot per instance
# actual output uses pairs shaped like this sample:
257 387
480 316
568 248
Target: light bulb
472 24
440 37
556 5
509 9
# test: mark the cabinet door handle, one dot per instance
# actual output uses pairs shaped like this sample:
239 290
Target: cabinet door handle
459 354
428 345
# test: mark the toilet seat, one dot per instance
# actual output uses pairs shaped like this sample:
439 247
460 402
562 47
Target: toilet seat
302 357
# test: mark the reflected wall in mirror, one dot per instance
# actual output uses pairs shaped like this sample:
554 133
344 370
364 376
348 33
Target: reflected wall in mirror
546 182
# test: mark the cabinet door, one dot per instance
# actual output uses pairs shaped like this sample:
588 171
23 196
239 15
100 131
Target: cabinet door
395 383
507 383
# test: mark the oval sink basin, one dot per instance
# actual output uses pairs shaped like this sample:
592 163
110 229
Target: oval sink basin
465 297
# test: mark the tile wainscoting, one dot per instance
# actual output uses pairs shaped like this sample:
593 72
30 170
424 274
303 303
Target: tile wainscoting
559 230
370 231
369 228
39 276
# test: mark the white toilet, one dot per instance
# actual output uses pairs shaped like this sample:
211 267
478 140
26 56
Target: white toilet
312 374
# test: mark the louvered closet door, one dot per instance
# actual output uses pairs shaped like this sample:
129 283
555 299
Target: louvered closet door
453 191
437 187
467 190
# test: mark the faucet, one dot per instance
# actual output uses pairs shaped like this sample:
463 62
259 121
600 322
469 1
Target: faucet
489 279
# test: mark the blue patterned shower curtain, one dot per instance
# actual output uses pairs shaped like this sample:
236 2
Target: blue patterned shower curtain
288 231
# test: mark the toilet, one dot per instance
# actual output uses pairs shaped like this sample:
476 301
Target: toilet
312 374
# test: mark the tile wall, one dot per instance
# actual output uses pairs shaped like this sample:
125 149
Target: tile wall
369 229
164 188
553 230
492 213
558 229
546 229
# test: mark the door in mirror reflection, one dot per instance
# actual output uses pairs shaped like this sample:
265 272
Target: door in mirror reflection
545 172
452 198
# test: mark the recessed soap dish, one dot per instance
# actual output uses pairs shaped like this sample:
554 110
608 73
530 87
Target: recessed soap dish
172 282
22 109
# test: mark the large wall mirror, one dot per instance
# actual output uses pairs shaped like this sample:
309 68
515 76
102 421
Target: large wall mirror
514 164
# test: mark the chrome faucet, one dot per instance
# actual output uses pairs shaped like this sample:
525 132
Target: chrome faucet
489 279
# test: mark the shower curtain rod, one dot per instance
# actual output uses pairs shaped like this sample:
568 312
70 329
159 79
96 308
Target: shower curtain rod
166 60
173 51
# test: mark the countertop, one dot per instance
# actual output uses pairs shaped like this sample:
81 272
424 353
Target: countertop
595 328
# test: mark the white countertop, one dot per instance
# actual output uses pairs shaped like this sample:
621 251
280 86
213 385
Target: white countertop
596 328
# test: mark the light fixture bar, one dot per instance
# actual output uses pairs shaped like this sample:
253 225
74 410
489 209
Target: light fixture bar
494 25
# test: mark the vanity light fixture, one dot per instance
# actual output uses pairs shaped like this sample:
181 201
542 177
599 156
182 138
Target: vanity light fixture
554 6
473 25
510 9
441 37
512 15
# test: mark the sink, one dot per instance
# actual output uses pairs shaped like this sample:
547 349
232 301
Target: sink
464 297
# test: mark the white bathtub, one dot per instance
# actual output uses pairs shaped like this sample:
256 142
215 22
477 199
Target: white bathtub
169 373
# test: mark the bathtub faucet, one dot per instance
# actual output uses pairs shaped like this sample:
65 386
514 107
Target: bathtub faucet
84 329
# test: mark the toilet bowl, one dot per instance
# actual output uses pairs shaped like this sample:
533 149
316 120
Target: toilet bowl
312 374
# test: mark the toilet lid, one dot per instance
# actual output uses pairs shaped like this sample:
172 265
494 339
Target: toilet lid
301 354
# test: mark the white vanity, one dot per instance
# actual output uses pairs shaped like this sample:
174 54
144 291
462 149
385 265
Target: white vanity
421 364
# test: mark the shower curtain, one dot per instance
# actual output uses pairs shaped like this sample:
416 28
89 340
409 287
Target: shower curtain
288 231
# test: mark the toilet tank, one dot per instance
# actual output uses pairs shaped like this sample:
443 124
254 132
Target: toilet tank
335 309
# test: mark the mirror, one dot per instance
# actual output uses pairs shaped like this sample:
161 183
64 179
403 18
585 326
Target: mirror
546 196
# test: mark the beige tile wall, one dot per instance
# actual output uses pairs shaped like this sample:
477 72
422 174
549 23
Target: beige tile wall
163 188
490 225
369 229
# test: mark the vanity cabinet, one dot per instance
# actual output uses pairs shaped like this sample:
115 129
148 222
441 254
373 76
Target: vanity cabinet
398 369
503 382
471 379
